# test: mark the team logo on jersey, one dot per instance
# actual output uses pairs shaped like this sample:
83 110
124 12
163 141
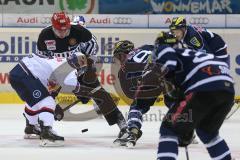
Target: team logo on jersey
51 44
37 94
72 41
194 41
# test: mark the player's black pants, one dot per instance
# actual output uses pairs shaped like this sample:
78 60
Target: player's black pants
205 111
90 87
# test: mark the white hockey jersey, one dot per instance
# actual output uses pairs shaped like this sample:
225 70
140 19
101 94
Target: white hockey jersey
52 71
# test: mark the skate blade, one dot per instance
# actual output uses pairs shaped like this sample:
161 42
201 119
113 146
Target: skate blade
48 143
130 145
119 143
31 136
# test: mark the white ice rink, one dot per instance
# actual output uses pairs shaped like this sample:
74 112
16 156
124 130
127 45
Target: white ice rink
96 144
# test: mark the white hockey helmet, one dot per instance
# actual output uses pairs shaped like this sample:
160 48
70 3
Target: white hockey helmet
79 20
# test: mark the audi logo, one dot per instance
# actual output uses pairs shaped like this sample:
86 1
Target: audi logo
199 20
45 20
122 20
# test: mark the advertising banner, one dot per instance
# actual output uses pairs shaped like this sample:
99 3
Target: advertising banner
233 20
169 7
124 20
16 43
92 20
49 6
203 20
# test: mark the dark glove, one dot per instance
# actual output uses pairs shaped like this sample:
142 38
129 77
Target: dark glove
84 100
186 139
173 97
58 113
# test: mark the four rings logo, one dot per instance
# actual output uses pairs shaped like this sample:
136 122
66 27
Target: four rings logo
45 20
122 20
199 20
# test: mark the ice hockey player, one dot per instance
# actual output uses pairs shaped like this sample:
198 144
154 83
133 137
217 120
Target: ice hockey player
133 61
80 20
198 38
34 78
209 94
62 39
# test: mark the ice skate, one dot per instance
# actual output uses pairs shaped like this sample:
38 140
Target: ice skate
31 131
128 137
124 133
49 138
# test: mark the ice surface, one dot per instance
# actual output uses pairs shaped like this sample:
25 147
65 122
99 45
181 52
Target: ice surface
96 144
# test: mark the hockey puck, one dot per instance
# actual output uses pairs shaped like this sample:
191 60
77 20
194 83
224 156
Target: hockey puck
84 130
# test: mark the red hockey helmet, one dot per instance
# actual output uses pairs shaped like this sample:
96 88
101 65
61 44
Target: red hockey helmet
61 24
60 21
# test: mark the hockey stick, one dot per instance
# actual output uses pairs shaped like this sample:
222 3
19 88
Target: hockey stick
78 100
71 105
59 111
115 99
186 151
234 109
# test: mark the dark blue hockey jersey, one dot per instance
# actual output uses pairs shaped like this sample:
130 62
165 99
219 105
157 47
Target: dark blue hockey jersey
194 71
133 69
138 59
141 54
201 39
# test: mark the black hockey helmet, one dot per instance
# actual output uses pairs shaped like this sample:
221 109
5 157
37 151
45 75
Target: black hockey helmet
122 47
166 38
178 23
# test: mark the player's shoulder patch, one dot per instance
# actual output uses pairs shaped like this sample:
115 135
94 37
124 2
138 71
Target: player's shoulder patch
194 41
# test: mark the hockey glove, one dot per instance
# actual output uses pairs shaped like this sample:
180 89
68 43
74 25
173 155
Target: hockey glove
186 139
84 100
58 113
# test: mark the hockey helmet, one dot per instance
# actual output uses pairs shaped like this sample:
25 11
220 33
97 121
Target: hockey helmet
178 23
61 24
77 60
122 48
166 38
79 20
